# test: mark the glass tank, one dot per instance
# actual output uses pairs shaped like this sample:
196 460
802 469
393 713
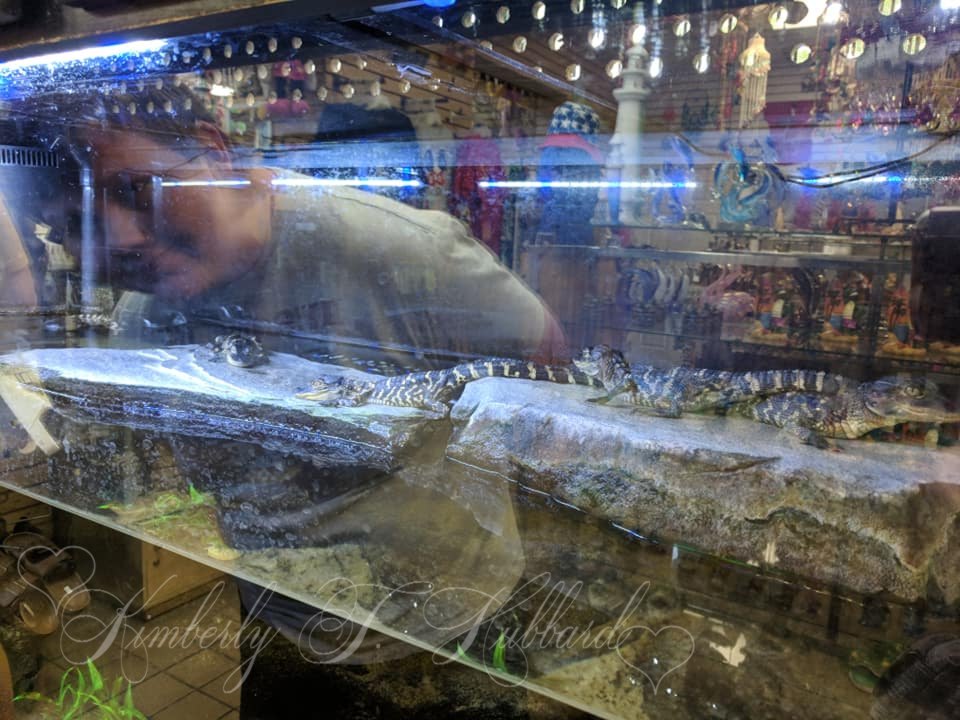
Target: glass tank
603 353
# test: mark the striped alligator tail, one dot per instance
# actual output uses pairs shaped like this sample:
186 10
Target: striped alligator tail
737 387
433 390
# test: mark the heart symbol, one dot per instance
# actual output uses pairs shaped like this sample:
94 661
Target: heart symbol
671 648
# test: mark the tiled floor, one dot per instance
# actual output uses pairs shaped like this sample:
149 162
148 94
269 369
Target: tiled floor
175 674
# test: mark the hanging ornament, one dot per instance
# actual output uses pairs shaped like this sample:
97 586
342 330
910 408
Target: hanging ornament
503 14
572 72
681 27
853 49
555 42
614 69
889 7
914 44
778 17
655 68
701 63
754 68
800 53
519 44
596 37
728 23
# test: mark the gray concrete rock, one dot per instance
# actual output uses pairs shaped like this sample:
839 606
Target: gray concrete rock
873 517
182 390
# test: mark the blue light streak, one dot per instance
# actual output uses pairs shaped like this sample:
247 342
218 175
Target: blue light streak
90 53
578 185
873 179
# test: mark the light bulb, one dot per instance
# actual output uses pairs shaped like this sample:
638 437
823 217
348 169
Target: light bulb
701 63
801 53
778 17
596 38
656 67
638 34
831 16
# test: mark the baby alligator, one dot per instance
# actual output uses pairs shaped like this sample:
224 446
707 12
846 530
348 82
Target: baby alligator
671 392
855 410
433 390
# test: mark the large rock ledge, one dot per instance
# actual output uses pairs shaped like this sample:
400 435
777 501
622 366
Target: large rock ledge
874 517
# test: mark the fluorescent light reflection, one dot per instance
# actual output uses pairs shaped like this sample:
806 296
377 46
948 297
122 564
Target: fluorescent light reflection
344 182
572 184
91 53
299 182
873 179
204 183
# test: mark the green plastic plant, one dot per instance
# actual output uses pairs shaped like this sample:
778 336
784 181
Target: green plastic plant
80 693
500 653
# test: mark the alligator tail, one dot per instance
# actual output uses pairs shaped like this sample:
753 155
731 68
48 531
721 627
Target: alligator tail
510 368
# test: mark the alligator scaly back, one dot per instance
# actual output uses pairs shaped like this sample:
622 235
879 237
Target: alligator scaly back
433 390
855 410
673 391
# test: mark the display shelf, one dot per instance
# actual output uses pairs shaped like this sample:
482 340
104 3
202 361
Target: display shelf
936 370
755 232
737 257
759 258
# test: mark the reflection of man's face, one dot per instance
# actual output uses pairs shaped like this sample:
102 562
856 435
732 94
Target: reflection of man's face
158 229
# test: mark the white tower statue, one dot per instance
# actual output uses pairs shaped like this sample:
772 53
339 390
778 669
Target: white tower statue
624 159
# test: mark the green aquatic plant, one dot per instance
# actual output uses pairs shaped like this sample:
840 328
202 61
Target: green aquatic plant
500 653
82 693
197 497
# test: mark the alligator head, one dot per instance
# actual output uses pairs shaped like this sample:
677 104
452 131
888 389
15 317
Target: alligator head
900 400
604 363
338 390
